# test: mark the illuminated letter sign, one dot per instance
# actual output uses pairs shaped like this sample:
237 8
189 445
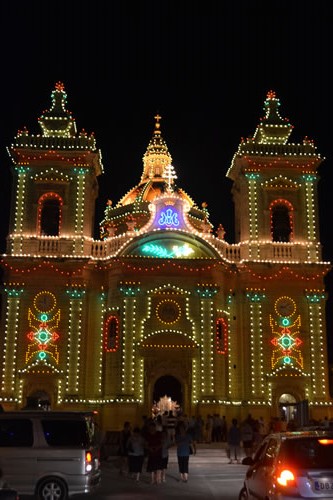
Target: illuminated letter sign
169 218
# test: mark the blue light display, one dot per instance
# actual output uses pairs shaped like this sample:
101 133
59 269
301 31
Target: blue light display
169 218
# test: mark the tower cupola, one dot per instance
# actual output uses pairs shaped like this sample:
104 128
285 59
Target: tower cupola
273 129
157 156
57 121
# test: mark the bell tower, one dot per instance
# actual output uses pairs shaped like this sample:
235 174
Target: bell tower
275 191
282 276
55 186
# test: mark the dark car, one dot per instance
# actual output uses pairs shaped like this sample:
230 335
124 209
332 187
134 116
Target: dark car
291 465
8 494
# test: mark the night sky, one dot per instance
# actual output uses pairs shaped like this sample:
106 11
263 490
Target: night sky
205 67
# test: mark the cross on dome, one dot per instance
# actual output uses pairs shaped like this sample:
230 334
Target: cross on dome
157 124
60 86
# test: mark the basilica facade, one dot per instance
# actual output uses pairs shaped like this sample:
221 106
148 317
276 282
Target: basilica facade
161 306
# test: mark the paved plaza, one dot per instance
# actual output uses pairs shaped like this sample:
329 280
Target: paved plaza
210 477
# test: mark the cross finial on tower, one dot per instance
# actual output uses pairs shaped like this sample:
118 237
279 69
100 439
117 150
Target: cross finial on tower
157 124
59 86
271 94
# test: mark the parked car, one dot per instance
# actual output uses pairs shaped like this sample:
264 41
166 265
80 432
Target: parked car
50 455
289 465
8 494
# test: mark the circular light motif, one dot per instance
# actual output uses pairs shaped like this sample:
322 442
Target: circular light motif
285 306
43 336
285 322
44 302
168 311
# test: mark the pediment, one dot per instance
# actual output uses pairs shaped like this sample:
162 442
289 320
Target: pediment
280 182
168 340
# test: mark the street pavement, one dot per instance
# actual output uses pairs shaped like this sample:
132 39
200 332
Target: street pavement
210 477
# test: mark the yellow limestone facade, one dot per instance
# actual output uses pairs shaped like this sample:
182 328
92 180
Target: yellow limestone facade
161 304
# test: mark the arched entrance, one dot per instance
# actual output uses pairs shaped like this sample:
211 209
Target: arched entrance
38 400
288 407
167 393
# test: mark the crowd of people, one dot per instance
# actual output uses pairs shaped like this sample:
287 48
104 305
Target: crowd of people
148 446
150 443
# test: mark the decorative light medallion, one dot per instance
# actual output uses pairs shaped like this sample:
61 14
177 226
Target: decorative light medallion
43 324
285 307
44 302
168 311
286 334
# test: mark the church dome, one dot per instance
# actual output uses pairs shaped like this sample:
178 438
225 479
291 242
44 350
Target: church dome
158 177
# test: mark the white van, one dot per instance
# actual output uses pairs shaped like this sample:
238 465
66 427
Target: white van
49 454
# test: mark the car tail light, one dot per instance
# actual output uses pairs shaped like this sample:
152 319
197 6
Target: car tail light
325 441
89 464
285 477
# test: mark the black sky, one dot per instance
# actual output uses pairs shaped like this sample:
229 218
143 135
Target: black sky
205 66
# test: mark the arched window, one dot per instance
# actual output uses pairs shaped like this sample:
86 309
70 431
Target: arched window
281 221
49 214
111 334
221 335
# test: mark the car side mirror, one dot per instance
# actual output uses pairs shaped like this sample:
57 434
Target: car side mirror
248 461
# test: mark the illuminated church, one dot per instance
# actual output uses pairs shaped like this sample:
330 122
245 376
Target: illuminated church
161 304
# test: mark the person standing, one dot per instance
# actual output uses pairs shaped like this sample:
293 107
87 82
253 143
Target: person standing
171 426
185 446
166 444
209 429
325 422
247 435
262 428
124 435
215 429
135 450
224 430
199 427
153 444
234 440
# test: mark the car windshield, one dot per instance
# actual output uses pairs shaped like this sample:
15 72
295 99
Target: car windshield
308 453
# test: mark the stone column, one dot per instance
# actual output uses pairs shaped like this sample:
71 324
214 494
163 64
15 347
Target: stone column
73 367
255 297
128 376
9 357
318 356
